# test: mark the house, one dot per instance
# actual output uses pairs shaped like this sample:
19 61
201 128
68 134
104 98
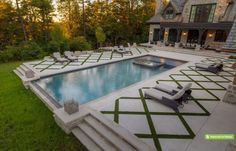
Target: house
192 23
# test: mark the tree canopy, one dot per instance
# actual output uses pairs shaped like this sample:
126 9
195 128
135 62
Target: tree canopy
109 22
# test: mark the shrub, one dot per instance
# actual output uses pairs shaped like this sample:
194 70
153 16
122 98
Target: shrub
79 44
10 53
30 50
55 46
100 35
25 51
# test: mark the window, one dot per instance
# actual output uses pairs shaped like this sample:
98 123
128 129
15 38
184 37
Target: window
220 36
202 13
169 14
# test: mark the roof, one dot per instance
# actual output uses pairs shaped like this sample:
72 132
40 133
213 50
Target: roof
177 4
155 19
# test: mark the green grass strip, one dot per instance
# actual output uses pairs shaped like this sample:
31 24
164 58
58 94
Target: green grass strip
86 59
116 114
100 57
39 63
138 50
48 67
66 65
150 123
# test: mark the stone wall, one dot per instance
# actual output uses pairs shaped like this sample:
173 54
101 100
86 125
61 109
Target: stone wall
220 8
151 31
184 36
166 34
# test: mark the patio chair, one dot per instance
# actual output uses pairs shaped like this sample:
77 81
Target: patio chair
126 50
172 101
128 44
173 90
57 57
70 56
214 68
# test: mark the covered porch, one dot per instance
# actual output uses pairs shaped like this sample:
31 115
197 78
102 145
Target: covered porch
193 35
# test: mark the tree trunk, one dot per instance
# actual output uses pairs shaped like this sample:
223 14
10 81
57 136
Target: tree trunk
83 18
21 20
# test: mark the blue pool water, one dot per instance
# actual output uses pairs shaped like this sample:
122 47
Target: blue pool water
88 84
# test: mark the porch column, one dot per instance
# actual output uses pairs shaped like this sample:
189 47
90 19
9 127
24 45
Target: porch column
178 35
160 34
201 31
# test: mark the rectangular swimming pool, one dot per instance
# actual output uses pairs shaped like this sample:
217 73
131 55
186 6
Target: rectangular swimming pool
89 84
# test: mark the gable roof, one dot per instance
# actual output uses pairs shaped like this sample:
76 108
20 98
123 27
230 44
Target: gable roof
178 6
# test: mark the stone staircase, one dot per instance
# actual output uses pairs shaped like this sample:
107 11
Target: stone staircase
231 40
25 74
97 132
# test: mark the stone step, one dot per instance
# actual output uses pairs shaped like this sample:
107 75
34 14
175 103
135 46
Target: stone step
21 71
96 137
110 135
23 68
123 133
85 140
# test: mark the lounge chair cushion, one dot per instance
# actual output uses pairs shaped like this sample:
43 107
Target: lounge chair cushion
187 86
203 65
170 89
160 94
177 95
166 88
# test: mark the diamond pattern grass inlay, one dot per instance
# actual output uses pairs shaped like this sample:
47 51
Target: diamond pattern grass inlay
206 87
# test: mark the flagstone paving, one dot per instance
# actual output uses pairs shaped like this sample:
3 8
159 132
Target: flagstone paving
160 126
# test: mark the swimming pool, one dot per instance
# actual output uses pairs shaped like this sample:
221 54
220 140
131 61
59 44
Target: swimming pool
91 83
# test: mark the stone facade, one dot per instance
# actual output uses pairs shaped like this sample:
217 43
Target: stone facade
225 11
231 40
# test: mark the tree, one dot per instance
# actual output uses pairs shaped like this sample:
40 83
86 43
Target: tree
21 20
58 41
100 35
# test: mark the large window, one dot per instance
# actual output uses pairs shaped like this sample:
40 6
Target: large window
202 13
220 36
169 13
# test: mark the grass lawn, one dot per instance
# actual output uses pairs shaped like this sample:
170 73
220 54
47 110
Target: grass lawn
25 122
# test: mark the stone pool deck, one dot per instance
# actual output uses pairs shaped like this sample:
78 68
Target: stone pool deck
155 124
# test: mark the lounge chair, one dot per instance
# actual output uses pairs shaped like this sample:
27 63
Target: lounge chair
215 67
57 57
70 56
173 90
124 50
173 101
121 49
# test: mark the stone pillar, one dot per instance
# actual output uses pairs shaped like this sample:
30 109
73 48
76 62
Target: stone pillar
177 43
234 82
198 46
166 35
230 95
201 31
29 74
